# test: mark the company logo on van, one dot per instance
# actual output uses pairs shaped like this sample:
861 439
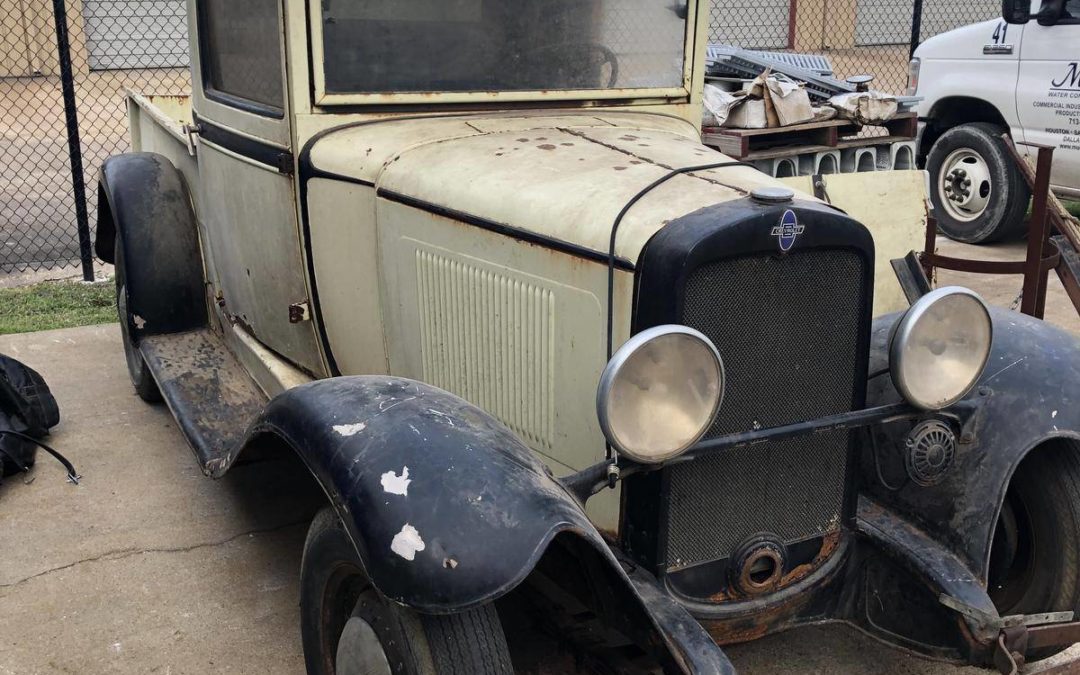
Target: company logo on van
788 230
1071 78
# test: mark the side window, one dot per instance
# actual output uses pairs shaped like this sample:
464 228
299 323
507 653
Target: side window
241 53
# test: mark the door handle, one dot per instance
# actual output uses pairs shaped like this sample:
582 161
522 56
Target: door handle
190 131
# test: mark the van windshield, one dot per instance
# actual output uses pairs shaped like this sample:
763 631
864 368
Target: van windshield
384 46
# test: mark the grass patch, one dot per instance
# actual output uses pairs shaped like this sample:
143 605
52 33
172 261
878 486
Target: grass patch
56 304
1073 207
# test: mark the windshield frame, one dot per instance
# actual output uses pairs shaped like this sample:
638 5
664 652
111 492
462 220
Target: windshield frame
680 93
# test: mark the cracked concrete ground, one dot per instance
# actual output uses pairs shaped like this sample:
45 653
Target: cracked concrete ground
148 567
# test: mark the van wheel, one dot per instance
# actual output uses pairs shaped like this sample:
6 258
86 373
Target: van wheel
978 193
1035 555
348 628
145 386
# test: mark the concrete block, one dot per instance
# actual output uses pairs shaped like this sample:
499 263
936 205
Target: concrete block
898 156
858 160
824 162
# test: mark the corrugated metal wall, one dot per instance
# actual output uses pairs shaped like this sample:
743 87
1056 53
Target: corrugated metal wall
129 34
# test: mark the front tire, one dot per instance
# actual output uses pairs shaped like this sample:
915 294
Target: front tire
978 192
349 628
1035 557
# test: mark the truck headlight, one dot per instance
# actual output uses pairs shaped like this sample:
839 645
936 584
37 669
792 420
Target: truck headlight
660 392
940 347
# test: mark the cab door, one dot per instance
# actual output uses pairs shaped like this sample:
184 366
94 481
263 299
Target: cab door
1048 94
246 166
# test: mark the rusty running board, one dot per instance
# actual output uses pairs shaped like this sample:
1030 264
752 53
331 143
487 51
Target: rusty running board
209 393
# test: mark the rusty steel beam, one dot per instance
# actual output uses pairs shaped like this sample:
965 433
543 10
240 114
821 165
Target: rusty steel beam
1060 218
1038 236
1068 268
1047 216
1045 264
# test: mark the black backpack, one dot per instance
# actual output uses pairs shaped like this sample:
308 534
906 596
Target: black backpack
27 411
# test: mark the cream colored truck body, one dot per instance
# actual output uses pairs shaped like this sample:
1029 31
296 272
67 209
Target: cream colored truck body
427 293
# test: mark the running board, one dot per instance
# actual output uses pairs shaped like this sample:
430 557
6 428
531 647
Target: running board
209 393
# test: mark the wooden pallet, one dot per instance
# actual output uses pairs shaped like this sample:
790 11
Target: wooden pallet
750 144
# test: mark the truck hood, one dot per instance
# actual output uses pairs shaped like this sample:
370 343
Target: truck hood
563 176
968 42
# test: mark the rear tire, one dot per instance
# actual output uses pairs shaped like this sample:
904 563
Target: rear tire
978 192
348 627
144 383
1035 557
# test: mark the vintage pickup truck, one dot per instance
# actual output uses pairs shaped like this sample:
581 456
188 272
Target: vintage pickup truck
570 381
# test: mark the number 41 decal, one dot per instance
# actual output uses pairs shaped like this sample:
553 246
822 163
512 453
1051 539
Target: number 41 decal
999 33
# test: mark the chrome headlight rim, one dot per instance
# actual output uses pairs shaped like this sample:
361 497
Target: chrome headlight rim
615 366
902 334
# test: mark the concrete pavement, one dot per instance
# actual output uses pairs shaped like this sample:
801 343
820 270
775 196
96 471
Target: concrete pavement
148 567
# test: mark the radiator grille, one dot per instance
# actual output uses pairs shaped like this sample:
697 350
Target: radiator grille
788 329
489 338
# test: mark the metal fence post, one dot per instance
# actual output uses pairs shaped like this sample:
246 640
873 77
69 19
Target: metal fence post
71 116
916 27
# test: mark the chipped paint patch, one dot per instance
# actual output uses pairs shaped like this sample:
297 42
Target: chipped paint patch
395 484
1053 415
139 322
442 415
350 429
407 543
449 563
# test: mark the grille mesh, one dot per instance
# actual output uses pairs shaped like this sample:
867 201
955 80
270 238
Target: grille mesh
788 330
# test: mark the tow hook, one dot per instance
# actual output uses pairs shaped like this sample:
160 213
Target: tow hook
1020 633
1015 641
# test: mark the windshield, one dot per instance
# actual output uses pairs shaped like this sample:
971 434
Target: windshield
382 46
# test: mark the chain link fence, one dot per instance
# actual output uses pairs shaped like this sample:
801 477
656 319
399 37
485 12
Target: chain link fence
58 113
874 37
62 104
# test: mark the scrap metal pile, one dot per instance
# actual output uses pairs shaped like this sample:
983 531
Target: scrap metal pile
758 90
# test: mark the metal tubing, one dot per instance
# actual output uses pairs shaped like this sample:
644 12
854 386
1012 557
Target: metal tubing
846 420
916 27
67 83
1034 300
930 249
1041 256
1046 263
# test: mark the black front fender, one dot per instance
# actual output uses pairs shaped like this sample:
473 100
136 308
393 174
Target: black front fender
1028 395
447 508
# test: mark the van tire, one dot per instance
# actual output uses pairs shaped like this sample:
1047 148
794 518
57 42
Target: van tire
990 209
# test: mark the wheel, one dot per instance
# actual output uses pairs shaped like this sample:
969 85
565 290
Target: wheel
144 383
978 192
349 629
1035 555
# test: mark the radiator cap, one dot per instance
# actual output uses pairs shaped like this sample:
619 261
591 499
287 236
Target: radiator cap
773 195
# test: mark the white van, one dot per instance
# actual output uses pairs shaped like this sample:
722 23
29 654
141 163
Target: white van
1019 74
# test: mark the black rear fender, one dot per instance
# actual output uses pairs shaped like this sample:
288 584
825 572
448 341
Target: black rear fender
143 197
